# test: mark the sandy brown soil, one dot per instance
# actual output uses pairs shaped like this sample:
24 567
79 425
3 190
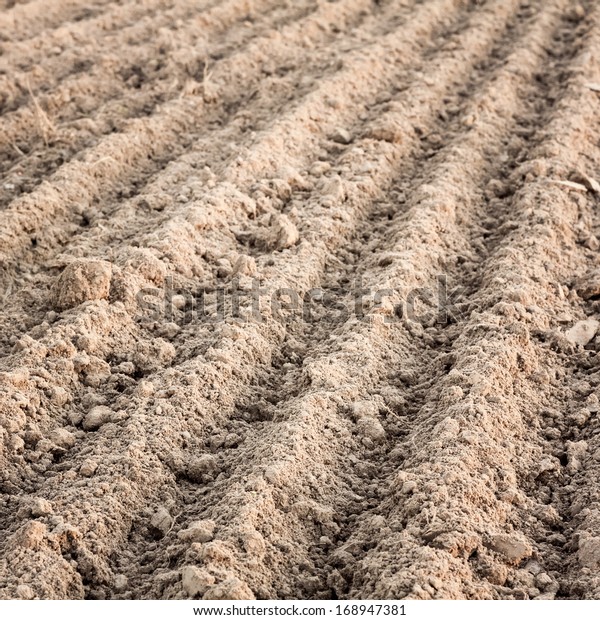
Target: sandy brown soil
160 158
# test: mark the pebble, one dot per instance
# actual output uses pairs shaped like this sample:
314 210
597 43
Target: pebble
588 286
410 486
24 592
202 466
372 428
543 581
365 409
533 567
245 266
120 582
334 190
179 301
59 396
126 368
170 330
31 535
319 168
145 388
75 417
341 136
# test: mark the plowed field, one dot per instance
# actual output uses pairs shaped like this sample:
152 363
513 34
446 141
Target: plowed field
299 299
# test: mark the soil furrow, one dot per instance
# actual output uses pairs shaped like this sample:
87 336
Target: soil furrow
117 158
127 81
26 20
134 21
304 306
255 347
86 111
479 514
318 419
111 225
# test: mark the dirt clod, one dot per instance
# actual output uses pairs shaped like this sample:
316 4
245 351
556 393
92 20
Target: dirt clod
513 547
196 581
198 531
80 281
97 417
232 589
582 332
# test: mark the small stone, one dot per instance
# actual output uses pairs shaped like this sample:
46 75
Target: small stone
254 543
410 486
591 183
18 445
217 552
179 301
582 332
145 388
319 168
588 285
579 417
593 403
88 468
126 368
232 589
170 330
533 567
496 573
196 581
341 136
512 547
97 417
82 280
365 409
75 417
41 507
576 13
198 531
333 190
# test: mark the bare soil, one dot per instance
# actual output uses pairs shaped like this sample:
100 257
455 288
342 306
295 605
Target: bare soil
412 408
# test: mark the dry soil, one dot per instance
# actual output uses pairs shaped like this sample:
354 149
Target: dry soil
161 159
